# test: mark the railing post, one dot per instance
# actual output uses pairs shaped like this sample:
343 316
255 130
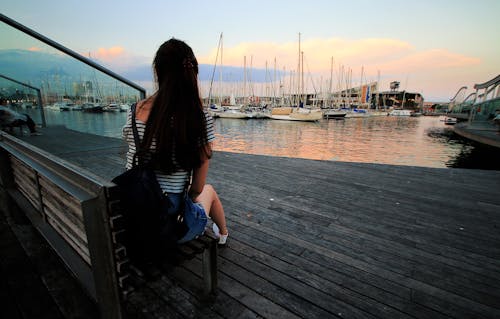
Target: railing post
102 257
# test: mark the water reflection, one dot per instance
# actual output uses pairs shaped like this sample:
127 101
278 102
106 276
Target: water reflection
107 123
421 141
390 140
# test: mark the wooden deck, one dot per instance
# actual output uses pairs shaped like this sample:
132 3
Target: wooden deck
322 239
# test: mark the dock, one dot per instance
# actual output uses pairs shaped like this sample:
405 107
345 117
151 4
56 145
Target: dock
307 239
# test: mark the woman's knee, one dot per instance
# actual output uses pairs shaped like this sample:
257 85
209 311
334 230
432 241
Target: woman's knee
209 189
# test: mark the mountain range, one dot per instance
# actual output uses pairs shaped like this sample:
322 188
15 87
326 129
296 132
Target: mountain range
36 68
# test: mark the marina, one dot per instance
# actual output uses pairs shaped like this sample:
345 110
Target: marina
342 200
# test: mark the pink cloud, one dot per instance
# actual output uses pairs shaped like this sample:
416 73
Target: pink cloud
373 54
317 52
109 53
117 58
34 49
429 60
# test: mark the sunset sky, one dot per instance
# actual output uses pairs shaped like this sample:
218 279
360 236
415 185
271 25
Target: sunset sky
431 46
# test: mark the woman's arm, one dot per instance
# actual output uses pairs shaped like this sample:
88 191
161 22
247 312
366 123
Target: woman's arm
199 179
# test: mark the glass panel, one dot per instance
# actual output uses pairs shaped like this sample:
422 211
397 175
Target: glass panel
486 111
73 93
21 99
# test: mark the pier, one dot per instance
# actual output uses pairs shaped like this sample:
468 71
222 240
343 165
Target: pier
308 239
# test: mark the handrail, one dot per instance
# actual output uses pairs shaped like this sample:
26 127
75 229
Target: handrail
494 81
459 90
71 53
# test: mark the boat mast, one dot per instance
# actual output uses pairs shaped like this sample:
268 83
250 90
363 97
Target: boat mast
220 72
360 97
339 85
331 84
377 93
302 78
404 92
213 71
298 76
274 83
245 99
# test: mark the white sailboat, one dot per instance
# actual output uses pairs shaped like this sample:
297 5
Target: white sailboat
298 113
231 110
331 111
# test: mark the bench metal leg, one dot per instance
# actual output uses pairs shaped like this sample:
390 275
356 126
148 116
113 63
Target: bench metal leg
209 260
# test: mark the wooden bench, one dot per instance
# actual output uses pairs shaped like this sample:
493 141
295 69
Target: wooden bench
79 215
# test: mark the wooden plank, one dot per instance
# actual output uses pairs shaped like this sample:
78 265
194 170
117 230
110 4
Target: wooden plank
74 262
178 298
144 303
374 269
234 298
75 230
62 200
331 273
82 250
26 182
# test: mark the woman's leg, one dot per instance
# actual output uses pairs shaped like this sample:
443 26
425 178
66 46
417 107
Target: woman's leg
210 201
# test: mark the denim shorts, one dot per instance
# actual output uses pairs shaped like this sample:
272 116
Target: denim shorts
194 215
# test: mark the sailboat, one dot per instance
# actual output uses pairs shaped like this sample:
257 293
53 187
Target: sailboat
231 111
331 111
298 113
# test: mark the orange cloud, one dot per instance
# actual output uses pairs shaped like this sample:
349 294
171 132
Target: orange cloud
430 60
317 53
34 49
117 58
109 53
433 71
384 54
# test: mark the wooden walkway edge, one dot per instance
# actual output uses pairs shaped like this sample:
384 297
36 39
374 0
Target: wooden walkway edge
324 239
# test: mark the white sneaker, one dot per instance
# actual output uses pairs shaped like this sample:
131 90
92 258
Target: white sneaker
222 238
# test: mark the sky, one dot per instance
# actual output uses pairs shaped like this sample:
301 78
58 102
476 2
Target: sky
433 47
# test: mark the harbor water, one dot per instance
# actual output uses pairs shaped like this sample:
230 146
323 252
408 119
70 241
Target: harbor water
415 141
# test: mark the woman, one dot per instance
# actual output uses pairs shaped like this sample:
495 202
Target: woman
178 132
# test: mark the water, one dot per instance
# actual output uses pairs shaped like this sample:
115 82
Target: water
389 140
416 141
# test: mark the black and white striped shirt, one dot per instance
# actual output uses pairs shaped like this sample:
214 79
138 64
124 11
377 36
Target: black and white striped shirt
172 183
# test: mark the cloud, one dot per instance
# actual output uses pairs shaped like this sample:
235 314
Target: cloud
35 49
373 54
429 60
317 53
436 71
118 59
109 53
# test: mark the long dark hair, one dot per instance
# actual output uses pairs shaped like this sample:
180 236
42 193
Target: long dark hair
177 122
